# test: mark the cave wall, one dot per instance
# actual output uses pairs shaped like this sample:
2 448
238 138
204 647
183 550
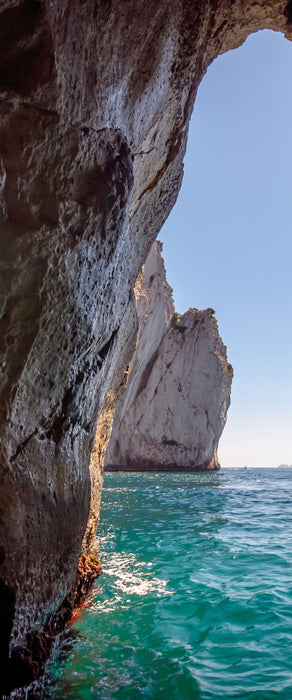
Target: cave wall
95 99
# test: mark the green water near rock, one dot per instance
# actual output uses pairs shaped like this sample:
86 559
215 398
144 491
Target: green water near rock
195 601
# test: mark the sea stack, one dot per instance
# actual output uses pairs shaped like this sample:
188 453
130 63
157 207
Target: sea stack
174 407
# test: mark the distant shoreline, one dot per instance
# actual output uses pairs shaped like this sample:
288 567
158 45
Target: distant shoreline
159 468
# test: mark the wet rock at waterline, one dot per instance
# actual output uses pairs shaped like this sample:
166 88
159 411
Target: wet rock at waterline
174 407
95 100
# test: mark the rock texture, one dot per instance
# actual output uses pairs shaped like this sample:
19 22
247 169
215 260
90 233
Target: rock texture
174 407
95 99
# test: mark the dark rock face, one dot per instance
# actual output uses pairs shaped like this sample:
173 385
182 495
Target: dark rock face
95 99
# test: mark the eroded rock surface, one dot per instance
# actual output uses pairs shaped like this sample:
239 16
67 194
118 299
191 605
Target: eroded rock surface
174 408
95 99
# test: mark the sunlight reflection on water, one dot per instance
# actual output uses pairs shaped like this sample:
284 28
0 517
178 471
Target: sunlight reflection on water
197 591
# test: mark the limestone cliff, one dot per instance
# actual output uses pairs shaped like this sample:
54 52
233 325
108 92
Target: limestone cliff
174 407
95 99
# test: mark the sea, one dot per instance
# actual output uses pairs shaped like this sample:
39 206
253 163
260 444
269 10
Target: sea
195 599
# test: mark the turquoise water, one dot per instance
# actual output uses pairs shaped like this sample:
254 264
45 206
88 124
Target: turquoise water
195 600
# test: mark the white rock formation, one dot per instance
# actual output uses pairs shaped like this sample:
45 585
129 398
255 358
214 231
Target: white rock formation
174 407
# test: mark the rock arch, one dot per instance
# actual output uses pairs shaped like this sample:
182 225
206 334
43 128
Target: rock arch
95 102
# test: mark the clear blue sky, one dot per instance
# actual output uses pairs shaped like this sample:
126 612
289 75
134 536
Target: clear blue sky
227 242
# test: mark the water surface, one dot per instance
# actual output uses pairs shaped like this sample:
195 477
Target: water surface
195 600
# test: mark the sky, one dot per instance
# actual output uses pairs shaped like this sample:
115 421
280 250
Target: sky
228 244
